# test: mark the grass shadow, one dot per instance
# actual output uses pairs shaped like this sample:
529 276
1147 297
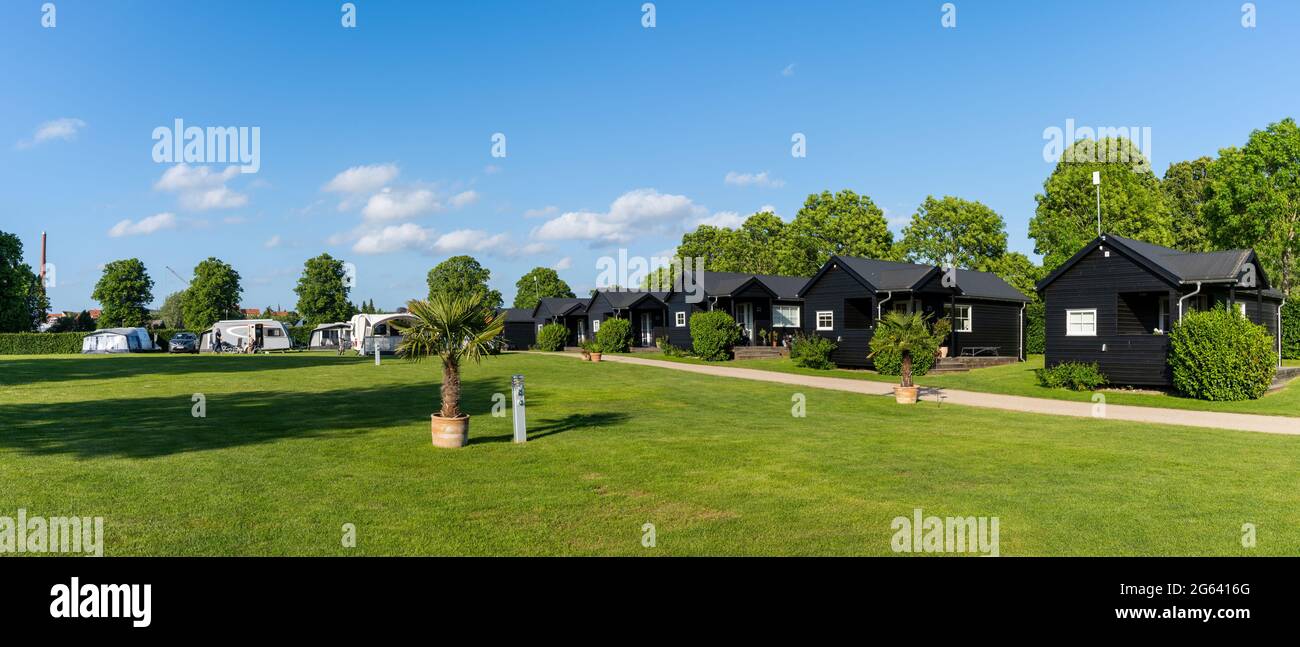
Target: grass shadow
551 427
65 368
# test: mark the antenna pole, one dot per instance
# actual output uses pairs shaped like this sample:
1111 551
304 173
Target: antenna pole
1096 181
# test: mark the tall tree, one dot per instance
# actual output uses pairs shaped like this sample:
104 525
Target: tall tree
323 291
213 295
172 312
1131 202
1018 270
841 223
1186 186
85 322
539 283
1254 199
462 275
17 282
713 246
124 292
953 230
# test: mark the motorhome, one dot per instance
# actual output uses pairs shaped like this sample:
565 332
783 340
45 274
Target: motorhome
235 335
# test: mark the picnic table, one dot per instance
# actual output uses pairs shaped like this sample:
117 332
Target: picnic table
975 351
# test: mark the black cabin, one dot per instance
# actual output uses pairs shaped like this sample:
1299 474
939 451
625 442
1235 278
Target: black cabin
571 312
1115 299
520 330
646 311
758 302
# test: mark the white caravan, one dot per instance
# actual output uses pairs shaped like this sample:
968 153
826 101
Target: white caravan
331 336
118 340
235 334
369 331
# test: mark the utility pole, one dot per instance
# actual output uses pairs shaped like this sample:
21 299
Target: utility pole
1096 181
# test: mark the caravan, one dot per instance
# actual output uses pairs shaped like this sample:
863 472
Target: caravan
118 340
331 336
375 330
236 335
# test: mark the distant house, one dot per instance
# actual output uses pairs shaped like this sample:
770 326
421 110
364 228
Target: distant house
1115 299
756 301
571 312
647 313
520 331
250 312
848 296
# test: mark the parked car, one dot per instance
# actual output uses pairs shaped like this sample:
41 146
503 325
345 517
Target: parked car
183 342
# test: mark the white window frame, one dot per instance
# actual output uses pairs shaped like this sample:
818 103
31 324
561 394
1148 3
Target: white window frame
595 326
796 319
1068 313
969 318
679 318
828 313
1241 307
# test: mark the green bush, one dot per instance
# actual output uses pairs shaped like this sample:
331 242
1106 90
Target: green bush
1291 329
1075 376
40 343
670 350
1035 330
890 362
713 334
615 335
301 335
552 337
1220 355
812 351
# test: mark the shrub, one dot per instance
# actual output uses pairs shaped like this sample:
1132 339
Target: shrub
812 351
40 343
888 360
301 335
552 337
1291 329
713 334
1035 329
1220 355
1075 376
670 350
615 335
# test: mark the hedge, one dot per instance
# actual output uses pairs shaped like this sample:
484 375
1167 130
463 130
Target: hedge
552 337
1076 376
713 334
1035 328
1220 355
615 335
41 343
1291 329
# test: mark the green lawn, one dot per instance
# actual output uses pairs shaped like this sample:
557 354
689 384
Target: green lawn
295 446
1019 379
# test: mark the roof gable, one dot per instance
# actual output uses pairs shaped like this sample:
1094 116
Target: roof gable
1175 266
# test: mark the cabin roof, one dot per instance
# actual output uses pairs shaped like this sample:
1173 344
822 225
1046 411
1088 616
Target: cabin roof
895 276
517 315
1174 265
623 299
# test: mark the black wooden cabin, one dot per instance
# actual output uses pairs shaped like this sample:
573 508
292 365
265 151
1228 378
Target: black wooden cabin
1115 299
846 298
520 328
571 312
758 302
645 311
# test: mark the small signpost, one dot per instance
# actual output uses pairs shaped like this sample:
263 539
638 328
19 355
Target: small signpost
376 343
517 397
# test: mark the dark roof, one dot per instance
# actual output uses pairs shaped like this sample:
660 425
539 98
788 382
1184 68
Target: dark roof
517 315
721 284
894 276
1174 265
621 299
559 306
785 287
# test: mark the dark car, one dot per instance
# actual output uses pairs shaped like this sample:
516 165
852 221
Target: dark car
183 342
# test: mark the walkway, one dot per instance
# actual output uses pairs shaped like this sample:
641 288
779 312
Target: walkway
1154 415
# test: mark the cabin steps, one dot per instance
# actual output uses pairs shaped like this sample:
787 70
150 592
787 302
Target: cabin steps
963 364
760 352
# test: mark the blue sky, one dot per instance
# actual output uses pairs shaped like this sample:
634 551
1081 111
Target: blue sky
616 135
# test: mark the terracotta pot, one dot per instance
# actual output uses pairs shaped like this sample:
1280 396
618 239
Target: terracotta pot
595 357
943 351
905 394
449 432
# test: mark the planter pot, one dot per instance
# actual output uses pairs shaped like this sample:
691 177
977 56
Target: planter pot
595 357
449 432
943 351
905 394
586 357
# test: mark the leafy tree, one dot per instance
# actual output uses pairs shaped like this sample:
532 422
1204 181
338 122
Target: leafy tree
323 291
841 223
463 275
539 283
1131 202
714 246
124 291
1185 188
1016 269
213 295
953 230
17 281
172 312
758 243
85 322
1254 199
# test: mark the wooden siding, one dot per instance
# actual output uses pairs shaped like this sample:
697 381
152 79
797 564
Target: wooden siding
829 293
521 334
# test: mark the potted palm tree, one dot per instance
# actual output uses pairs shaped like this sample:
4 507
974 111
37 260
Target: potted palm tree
906 333
455 328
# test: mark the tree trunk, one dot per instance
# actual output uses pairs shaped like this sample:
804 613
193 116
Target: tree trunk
450 391
907 368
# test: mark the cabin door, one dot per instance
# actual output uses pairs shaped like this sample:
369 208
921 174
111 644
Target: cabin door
745 314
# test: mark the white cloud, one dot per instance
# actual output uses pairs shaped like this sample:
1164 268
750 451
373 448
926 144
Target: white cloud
393 238
769 209
400 205
363 179
637 212
65 129
463 199
788 71
272 242
563 264
200 188
753 179
471 240
491 169
544 212
728 219
144 226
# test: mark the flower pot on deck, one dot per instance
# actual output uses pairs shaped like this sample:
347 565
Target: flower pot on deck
449 433
905 394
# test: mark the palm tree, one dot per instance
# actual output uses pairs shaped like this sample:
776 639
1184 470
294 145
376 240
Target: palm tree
455 328
907 333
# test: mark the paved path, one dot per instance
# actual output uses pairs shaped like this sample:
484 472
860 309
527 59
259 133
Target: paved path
1238 421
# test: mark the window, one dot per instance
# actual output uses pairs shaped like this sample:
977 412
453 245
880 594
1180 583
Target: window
825 320
274 332
595 325
961 320
681 319
785 316
1081 323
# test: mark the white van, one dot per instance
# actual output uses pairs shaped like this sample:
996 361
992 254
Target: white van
236 334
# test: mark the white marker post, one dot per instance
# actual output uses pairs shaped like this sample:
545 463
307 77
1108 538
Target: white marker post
376 343
517 397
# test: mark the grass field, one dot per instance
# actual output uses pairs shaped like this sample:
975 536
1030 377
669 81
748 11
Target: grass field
1019 379
295 446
